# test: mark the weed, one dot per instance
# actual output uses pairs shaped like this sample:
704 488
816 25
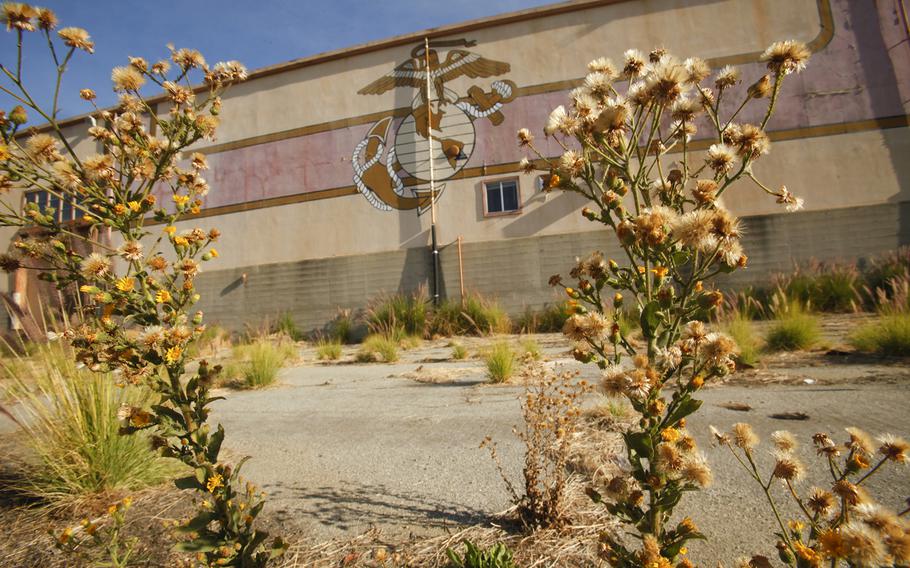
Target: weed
610 409
550 413
793 330
500 362
888 335
70 420
343 328
399 315
476 315
459 351
378 348
263 361
882 270
530 348
549 319
740 328
285 325
497 556
328 349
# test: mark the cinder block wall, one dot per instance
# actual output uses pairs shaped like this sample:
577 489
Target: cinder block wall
515 271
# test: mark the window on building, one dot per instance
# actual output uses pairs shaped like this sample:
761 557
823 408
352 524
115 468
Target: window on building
502 196
45 200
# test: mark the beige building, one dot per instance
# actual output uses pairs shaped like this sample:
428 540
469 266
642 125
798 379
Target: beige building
320 175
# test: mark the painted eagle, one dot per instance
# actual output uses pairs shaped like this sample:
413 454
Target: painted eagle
413 72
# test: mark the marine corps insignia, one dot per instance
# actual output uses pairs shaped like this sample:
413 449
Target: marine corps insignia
393 173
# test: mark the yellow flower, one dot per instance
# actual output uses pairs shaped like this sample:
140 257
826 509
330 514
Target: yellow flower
641 269
127 502
112 509
660 271
173 354
698 286
669 434
807 554
126 284
684 550
181 200
214 482
194 210
65 535
170 230
214 253
133 205
119 209
4 152
697 382
86 288
163 297
181 241
859 461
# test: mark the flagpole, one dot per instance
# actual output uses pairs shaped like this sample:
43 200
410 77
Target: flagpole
435 249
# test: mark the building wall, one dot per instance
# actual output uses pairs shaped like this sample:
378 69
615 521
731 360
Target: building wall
285 195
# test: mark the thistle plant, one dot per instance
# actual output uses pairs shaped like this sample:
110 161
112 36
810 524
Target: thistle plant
841 525
632 155
122 260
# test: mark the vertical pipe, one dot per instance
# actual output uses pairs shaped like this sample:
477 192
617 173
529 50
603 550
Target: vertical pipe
435 250
460 270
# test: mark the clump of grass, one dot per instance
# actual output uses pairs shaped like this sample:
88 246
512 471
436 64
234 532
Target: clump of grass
343 328
793 330
410 341
378 347
328 349
399 314
285 325
888 335
69 417
530 348
209 342
476 315
549 319
610 410
825 287
740 328
500 362
883 270
261 361
459 351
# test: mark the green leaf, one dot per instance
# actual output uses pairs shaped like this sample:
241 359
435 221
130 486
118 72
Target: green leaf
188 482
169 413
201 544
214 446
686 406
593 495
639 442
650 319
197 523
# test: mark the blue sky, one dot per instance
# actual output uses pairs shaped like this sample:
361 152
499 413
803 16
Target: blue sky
256 32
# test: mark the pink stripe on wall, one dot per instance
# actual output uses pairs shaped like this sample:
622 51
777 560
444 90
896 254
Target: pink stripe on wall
860 75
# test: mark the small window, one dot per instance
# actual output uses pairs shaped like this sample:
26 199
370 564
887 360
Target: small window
502 196
45 200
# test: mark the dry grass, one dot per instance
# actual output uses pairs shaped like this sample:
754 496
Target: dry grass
574 544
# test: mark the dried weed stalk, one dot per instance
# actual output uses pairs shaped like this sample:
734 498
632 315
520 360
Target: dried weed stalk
551 415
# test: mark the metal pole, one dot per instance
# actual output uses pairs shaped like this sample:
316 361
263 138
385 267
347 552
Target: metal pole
460 270
435 250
